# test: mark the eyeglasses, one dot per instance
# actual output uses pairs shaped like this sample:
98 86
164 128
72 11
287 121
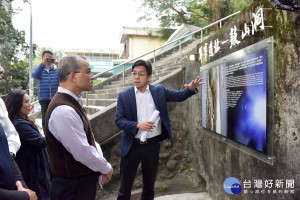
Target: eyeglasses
87 73
140 74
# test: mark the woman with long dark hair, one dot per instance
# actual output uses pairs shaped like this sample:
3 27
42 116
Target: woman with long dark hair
32 157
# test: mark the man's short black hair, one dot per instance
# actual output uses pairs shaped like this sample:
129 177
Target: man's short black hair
146 64
47 51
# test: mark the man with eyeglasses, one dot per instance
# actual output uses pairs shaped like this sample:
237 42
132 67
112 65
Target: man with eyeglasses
135 107
76 159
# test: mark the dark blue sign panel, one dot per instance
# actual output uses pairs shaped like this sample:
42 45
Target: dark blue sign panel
234 100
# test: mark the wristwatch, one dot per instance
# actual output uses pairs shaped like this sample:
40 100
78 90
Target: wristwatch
12 155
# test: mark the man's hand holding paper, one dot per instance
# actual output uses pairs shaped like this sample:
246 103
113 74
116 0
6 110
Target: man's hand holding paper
146 125
154 117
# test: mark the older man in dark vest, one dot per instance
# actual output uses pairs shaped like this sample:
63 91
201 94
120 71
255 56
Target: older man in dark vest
76 159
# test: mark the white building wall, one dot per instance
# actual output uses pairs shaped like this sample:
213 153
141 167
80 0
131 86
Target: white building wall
141 44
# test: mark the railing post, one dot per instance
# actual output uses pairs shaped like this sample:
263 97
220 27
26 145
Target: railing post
180 47
87 98
154 61
220 24
201 35
123 75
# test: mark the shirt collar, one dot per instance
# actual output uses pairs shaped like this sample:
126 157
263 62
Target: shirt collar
136 90
66 91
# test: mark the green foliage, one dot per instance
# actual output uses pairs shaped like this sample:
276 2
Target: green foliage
186 164
12 47
163 189
20 74
165 33
169 13
172 13
96 81
38 59
186 134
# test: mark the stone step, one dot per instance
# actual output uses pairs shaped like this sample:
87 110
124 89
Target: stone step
116 86
127 77
127 80
170 69
162 74
93 109
108 91
103 96
99 102
163 66
184 47
160 67
170 61
154 76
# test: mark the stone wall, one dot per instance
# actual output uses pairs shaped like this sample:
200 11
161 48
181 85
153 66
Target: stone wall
210 158
216 160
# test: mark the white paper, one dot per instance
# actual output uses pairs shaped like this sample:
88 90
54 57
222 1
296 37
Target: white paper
154 117
100 182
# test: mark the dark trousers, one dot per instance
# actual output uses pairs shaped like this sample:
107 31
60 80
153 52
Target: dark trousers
44 106
148 155
81 188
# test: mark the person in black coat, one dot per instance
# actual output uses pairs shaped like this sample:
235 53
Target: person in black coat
9 173
32 158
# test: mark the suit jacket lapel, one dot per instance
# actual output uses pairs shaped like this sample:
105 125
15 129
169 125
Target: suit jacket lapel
133 102
154 95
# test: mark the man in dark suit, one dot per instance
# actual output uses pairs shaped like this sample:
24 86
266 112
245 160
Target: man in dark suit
10 188
135 107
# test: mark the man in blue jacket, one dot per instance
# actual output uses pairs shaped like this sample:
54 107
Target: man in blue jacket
135 106
47 76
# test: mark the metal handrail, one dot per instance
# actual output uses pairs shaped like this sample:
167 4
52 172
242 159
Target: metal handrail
110 138
201 29
153 51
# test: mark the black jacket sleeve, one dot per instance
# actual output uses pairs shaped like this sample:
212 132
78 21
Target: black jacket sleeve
30 134
18 174
13 195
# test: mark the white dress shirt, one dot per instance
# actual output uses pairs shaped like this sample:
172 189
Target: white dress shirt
67 127
12 135
145 107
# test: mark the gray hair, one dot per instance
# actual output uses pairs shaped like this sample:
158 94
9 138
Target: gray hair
67 65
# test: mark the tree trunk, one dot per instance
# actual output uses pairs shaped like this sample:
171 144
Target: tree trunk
182 19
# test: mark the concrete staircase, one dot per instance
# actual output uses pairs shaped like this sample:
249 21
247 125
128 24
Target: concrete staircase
106 93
